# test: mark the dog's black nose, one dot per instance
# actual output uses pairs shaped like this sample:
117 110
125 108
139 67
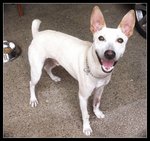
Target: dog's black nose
109 54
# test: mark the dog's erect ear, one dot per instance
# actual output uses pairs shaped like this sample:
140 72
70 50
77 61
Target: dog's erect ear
127 24
97 20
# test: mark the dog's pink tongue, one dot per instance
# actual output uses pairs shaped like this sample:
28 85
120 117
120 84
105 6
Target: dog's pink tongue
108 63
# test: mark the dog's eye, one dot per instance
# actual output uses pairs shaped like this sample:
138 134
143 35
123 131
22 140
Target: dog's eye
120 40
101 38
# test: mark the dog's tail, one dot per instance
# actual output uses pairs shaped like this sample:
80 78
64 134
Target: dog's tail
35 27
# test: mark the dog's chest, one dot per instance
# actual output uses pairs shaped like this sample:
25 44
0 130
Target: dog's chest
103 81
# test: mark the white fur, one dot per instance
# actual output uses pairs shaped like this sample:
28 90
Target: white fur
72 53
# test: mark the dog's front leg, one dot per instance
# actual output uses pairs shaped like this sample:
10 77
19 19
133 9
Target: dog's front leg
96 102
83 98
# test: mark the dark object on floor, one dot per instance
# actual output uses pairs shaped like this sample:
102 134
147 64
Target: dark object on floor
141 18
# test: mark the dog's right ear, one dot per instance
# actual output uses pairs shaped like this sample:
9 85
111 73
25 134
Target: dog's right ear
97 20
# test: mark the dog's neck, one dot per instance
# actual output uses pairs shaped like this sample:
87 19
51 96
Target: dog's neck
92 65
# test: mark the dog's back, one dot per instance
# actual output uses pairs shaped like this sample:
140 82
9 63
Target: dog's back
57 45
51 41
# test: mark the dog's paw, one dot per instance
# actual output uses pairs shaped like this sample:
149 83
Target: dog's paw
87 131
33 102
56 78
99 114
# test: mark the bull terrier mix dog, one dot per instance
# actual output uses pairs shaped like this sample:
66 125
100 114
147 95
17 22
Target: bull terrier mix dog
91 63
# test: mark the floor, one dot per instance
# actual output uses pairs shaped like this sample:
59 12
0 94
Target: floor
124 101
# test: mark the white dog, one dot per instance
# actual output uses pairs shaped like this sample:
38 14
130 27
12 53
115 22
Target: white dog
89 63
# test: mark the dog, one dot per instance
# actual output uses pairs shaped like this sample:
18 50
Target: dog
91 63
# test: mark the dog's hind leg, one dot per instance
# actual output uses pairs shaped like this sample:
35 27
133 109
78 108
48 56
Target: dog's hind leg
48 68
35 76
96 102
36 65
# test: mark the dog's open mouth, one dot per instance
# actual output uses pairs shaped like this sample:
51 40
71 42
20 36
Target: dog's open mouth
106 65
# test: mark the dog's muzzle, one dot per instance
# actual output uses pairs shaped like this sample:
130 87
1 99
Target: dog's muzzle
108 61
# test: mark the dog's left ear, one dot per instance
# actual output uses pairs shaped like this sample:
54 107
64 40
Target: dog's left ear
127 24
97 20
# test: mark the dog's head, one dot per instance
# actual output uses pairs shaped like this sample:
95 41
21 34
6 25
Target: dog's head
110 43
